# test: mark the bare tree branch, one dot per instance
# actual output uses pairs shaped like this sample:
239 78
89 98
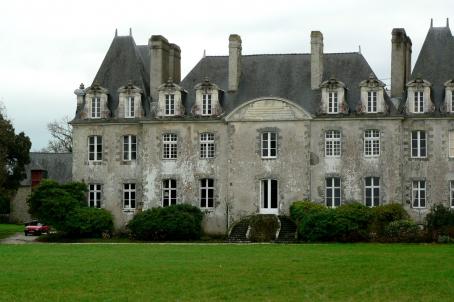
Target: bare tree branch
61 132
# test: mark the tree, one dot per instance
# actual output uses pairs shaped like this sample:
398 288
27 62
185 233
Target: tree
14 155
62 136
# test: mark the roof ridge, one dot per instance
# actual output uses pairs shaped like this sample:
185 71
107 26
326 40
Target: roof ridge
282 54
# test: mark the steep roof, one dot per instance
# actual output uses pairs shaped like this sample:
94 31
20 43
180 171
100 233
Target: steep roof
279 75
58 166
435 62
125 61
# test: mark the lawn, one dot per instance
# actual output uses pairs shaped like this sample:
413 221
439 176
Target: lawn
7 230
153 272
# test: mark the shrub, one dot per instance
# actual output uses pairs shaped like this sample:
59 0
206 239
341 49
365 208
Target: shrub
4 204
177 222
402 231
440 222
299 209
352 222
88 222
384 215
263 228
319 225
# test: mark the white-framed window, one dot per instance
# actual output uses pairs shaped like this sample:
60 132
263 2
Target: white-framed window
94 195
207 146
207 193
332 143
418 144
129 147
419 101
371 143
169 104
451 143
451 193
95 148
169 145
333 192
95 107
269 194
129 196
452 101
372 101
419 194
372 191
333 103
129 108
206 104
269 144
169 192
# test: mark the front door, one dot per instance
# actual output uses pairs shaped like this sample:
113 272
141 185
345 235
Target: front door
269 202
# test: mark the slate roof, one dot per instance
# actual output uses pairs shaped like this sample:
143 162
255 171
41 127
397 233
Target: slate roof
435 62
280 75
58 166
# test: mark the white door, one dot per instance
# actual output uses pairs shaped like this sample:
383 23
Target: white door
269 203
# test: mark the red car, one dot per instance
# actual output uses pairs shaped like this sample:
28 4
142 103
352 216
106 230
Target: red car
35 228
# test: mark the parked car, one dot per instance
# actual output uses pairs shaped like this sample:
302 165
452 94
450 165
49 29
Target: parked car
35 228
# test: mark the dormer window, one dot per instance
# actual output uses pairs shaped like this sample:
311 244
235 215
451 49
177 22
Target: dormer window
333 104
452 102
170 104
95 107
372 101
372 96
449 96
206 104
129 108
419 101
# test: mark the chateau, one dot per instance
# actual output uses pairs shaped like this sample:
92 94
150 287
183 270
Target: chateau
246 134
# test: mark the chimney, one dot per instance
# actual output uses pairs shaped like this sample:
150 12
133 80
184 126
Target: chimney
175 63
316 59
400 61
80 93
234 61
159 69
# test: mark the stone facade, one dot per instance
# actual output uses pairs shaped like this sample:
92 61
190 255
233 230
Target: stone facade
266 130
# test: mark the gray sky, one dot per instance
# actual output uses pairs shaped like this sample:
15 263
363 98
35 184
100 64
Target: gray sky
47 48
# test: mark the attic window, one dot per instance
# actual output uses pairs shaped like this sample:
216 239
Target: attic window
419 102
170 104
129 108
452 102
333 103
206 104
96 107
372 101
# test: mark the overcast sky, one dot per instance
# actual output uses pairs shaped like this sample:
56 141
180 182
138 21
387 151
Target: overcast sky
47 48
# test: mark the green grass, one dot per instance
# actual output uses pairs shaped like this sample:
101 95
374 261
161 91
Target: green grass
7 230
152 272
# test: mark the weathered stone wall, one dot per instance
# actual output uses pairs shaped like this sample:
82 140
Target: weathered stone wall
19 207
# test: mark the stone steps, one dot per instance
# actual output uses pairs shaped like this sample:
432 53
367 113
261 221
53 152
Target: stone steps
287 234
238 233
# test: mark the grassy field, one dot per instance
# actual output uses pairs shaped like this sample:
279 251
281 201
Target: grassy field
7 230
149 272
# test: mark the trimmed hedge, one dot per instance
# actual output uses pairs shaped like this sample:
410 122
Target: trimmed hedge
263 228
176 222
89 222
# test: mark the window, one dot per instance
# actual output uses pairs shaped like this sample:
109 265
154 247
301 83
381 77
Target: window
452 101
372 101
206 193
94 195
170 146
269 195
169 192
207 146
419 102
129 108
95 148
333 192
96 107
451 193
372 191
451 143
419 194
170 104
332 143
129 196
418 144
371 143
269 140
206 104
129 147
333 104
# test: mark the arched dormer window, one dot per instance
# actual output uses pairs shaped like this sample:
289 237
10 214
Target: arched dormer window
418 97
207 99
372 96
333 97
171 97
96 103
130 101
449 96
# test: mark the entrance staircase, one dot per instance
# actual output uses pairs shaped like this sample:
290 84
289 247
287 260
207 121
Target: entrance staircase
239 230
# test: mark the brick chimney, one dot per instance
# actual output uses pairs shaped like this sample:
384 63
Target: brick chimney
316 59
175 63
400 61
234 61
159 69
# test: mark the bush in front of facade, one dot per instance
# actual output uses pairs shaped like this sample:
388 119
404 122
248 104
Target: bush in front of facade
383 215
176 222
402 231
89 222
263 228
300 209
4 204
440 222
353 222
